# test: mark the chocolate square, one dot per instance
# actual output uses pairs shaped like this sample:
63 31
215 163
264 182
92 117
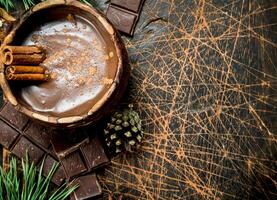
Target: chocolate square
7 134
23 145
14 117
59 175
88 188
73 164
122 20
94 153
132 5
40 134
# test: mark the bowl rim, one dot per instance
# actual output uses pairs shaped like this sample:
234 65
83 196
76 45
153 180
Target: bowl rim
71 120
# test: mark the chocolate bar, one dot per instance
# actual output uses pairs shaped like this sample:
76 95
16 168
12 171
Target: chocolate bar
18 134
124 14
78 156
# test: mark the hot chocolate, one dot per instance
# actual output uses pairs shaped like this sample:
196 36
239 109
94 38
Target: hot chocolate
80 57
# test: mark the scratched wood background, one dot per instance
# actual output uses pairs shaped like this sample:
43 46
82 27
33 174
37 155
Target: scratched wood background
204 80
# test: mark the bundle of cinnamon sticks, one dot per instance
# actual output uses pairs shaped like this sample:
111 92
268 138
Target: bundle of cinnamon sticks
23 63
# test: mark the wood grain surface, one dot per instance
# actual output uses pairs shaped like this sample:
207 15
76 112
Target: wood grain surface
204 80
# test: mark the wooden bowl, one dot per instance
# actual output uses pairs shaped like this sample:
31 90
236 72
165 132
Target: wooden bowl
50 13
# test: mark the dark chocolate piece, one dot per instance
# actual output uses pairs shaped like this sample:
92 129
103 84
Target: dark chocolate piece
59 175
124 14
39 134
122 20
7 134
24 145
88 154
88 187
73 164
132 5
64 144
14 117
94 154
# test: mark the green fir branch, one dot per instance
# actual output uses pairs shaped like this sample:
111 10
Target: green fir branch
28 4
7 4
31 184
10 4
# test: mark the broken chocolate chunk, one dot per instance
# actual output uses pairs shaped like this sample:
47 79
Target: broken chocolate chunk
79 153
124 14
73 164
94 154
88 187
59 175
67 142
123 21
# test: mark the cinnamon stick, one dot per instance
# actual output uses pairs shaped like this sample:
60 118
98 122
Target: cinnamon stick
8 58
28 77
23 49
21 59
25 70
23 55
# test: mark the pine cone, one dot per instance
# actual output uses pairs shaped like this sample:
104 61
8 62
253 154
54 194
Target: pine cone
124 131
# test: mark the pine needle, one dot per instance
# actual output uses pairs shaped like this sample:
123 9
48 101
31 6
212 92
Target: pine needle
28 4
8 4
86 2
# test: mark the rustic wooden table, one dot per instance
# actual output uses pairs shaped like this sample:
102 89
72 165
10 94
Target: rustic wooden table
204 80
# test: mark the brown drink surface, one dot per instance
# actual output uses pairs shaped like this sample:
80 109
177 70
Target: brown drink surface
82 62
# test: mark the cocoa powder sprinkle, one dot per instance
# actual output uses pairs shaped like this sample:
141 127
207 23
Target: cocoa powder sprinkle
107 81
